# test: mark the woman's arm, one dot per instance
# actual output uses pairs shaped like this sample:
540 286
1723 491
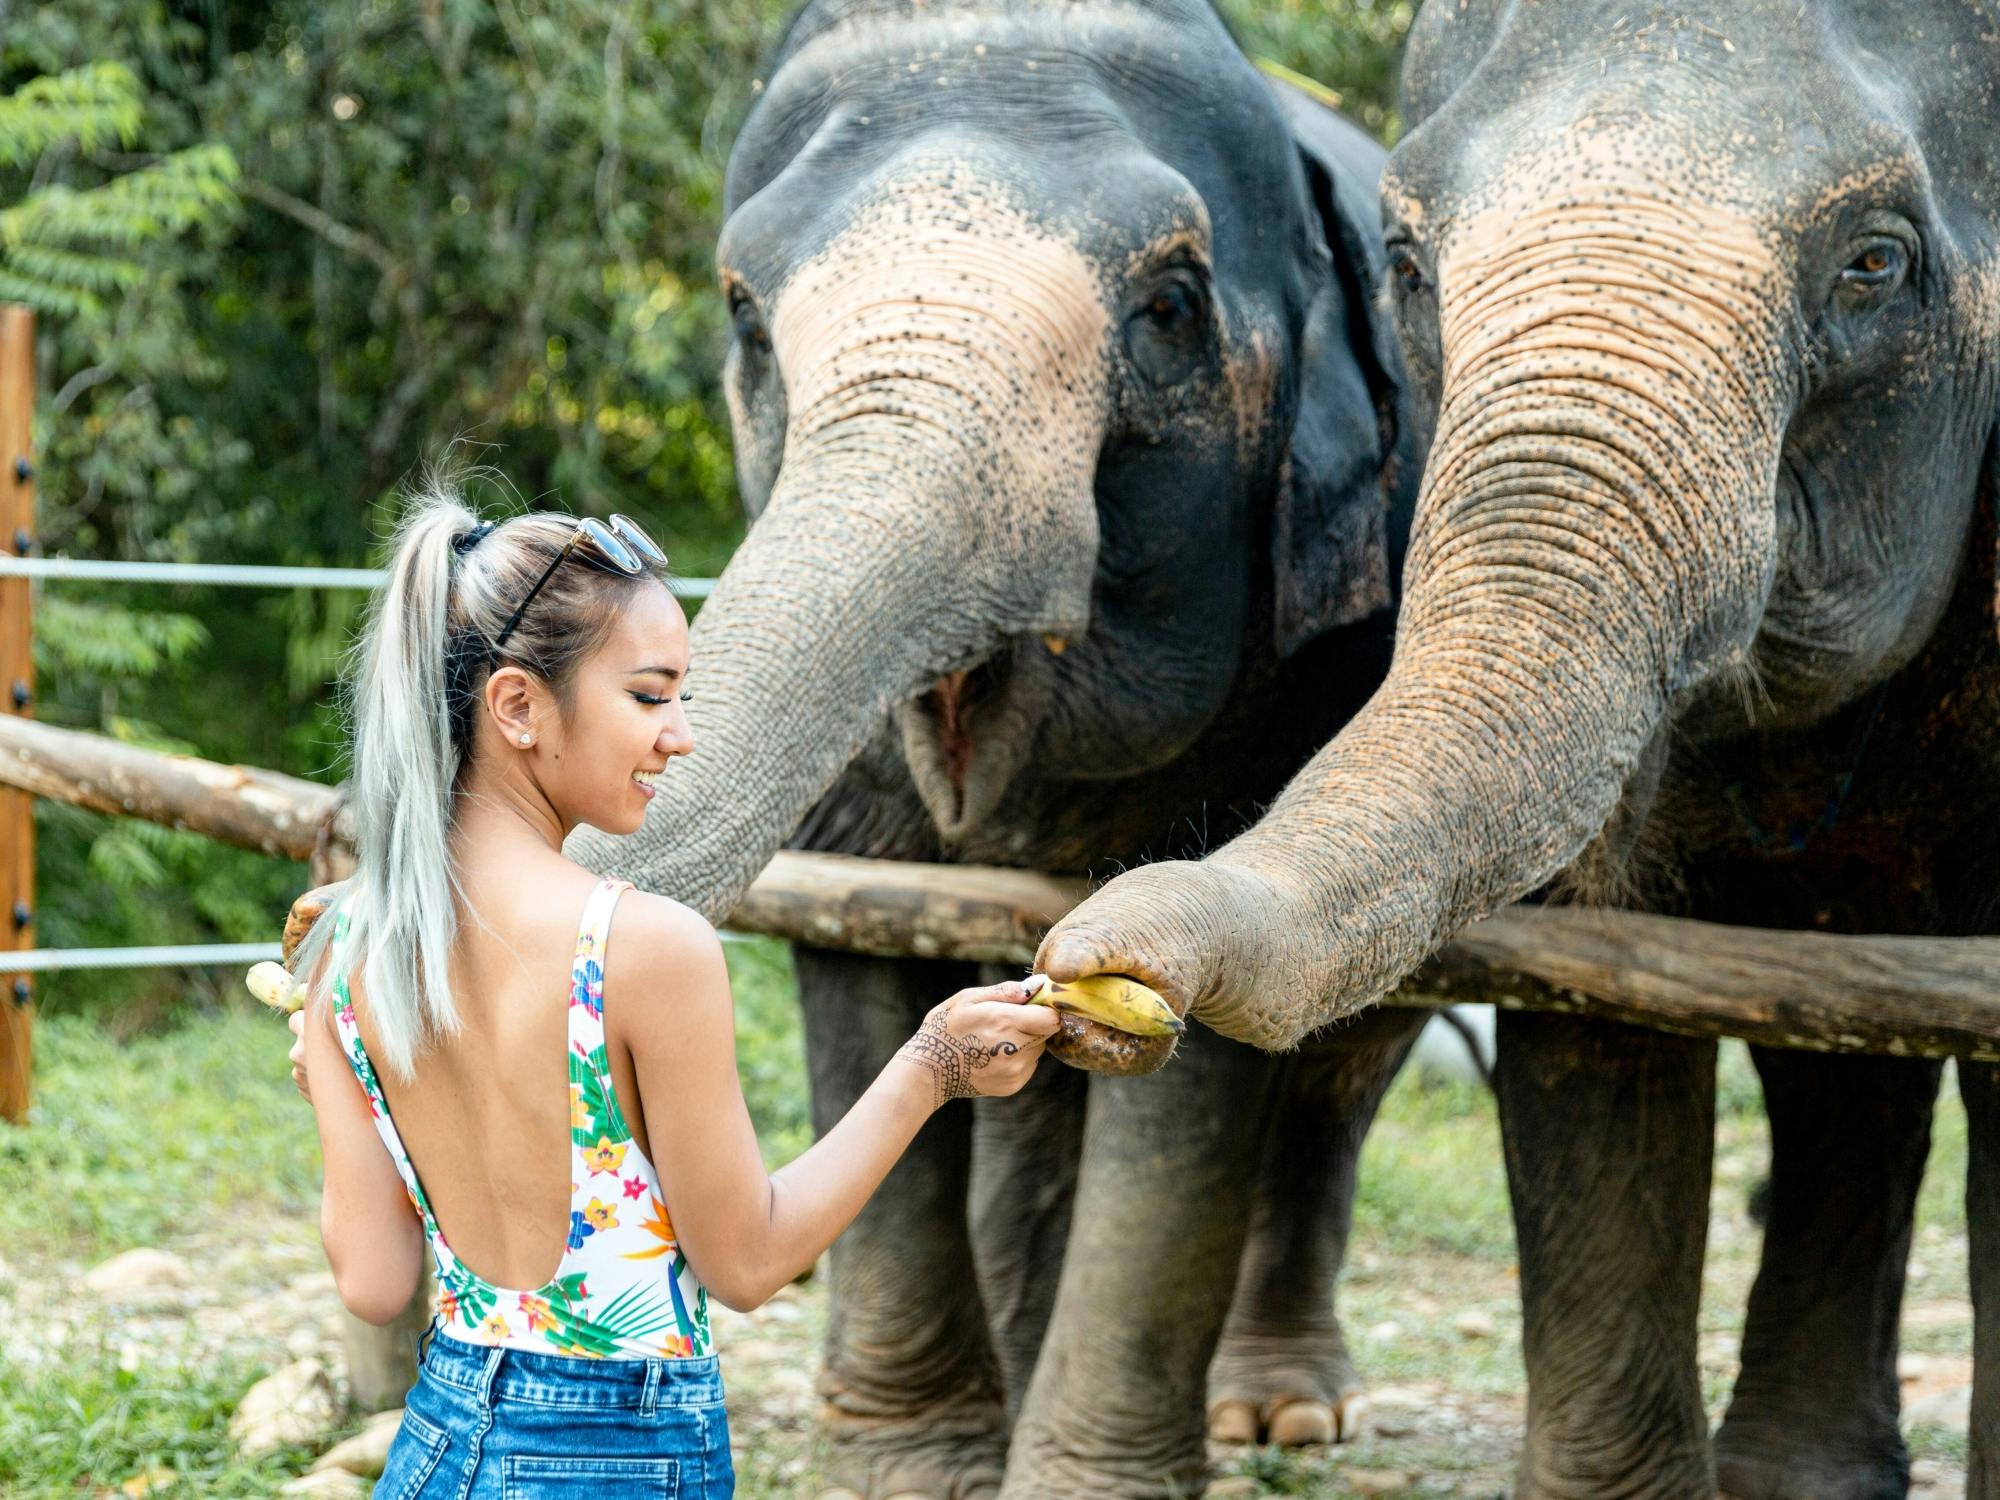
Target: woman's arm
748 1233
374 1242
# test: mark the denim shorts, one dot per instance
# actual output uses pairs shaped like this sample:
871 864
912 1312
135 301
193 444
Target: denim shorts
505 1424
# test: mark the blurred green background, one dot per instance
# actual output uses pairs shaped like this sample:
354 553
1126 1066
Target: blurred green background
284 252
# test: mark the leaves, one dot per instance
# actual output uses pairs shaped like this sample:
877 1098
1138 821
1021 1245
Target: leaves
88 107
65 249
95 637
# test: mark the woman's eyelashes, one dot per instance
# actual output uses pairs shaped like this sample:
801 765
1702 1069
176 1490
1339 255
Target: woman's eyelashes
648 698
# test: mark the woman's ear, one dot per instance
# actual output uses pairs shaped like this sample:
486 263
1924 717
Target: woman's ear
511 698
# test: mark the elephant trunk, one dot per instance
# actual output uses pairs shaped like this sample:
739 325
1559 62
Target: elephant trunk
1595 536
944 389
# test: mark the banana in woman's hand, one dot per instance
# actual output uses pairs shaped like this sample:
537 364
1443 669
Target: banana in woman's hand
1112 1000
274 985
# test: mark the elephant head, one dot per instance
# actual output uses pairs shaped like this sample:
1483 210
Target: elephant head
1058 392
1708 310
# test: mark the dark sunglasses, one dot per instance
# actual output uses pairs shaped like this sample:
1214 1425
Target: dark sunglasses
621 546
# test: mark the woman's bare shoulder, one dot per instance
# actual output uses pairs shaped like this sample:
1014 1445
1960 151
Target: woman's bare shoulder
656 930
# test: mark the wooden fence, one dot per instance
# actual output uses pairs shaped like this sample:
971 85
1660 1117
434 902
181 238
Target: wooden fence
1908 996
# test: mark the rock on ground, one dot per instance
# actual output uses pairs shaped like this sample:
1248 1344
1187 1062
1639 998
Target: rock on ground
138 1278
294 1406
1370 1482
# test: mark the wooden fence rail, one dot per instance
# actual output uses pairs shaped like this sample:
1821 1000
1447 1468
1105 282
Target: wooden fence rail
1907 996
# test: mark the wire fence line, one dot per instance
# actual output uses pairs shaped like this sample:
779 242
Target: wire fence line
227 575
169 956
231 575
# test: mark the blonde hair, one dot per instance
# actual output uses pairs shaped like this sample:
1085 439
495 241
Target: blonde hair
417 675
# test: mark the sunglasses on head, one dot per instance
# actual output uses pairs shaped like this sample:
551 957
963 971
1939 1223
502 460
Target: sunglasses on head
621 546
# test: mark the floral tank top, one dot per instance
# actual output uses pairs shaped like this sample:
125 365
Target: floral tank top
622 1289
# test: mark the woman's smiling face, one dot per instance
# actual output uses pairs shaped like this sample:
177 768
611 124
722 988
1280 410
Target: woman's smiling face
626 720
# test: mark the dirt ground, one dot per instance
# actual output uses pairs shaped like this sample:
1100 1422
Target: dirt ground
1436 1330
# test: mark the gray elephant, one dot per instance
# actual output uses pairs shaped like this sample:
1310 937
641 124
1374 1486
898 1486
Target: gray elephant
1699 618
1076 448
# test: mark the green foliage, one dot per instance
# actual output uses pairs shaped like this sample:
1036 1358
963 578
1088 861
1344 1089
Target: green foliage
88 107
108 640
1350 46
1427 1178
64 249
770 1051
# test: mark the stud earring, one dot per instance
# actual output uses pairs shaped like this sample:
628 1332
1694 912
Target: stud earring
527 739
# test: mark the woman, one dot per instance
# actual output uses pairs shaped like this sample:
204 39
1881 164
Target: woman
547 1056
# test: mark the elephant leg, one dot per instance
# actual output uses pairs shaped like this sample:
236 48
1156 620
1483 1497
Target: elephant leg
1282 1371
1814 1413
1609 1133
911 1384
1979 1086
1025 1154
1170 1165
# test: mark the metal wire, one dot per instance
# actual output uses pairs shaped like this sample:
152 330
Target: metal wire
47 960
187 956
234 575
43 960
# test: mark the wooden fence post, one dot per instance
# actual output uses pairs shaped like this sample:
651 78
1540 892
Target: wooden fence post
17 676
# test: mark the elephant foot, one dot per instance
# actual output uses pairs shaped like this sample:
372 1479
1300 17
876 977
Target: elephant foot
1287 1421
1796 1476
1296 1390
1089 1465
953 1455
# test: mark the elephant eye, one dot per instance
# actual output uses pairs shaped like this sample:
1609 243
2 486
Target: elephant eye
747 321
1168 334
1407 269
1172 307
1879 265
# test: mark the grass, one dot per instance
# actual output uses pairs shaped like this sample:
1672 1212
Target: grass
173 1137
91 1421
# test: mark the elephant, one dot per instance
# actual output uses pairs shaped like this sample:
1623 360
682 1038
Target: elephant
1698 617
1080 467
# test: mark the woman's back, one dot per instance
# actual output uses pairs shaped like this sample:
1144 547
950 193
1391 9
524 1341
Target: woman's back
525 1140
486 1117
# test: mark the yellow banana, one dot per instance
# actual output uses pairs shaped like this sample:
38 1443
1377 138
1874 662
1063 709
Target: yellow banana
1112 1000
272 984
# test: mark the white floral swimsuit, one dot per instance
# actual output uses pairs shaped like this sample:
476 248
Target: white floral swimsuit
622 1288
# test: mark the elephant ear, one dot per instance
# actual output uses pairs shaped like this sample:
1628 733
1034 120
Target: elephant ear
1341 519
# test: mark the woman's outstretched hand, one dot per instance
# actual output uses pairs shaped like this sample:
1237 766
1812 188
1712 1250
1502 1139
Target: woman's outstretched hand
983 1041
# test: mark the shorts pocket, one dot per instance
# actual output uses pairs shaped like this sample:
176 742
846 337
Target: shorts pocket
526 1477
412 1456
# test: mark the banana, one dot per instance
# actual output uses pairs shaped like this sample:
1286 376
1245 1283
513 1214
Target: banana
1112 1000
271 983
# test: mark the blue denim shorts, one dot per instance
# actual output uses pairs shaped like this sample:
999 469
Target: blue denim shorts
505 1424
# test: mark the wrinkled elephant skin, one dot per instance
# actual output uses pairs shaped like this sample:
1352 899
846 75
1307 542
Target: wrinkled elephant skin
1699 617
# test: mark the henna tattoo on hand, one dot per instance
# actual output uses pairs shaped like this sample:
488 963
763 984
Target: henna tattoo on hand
951 1059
